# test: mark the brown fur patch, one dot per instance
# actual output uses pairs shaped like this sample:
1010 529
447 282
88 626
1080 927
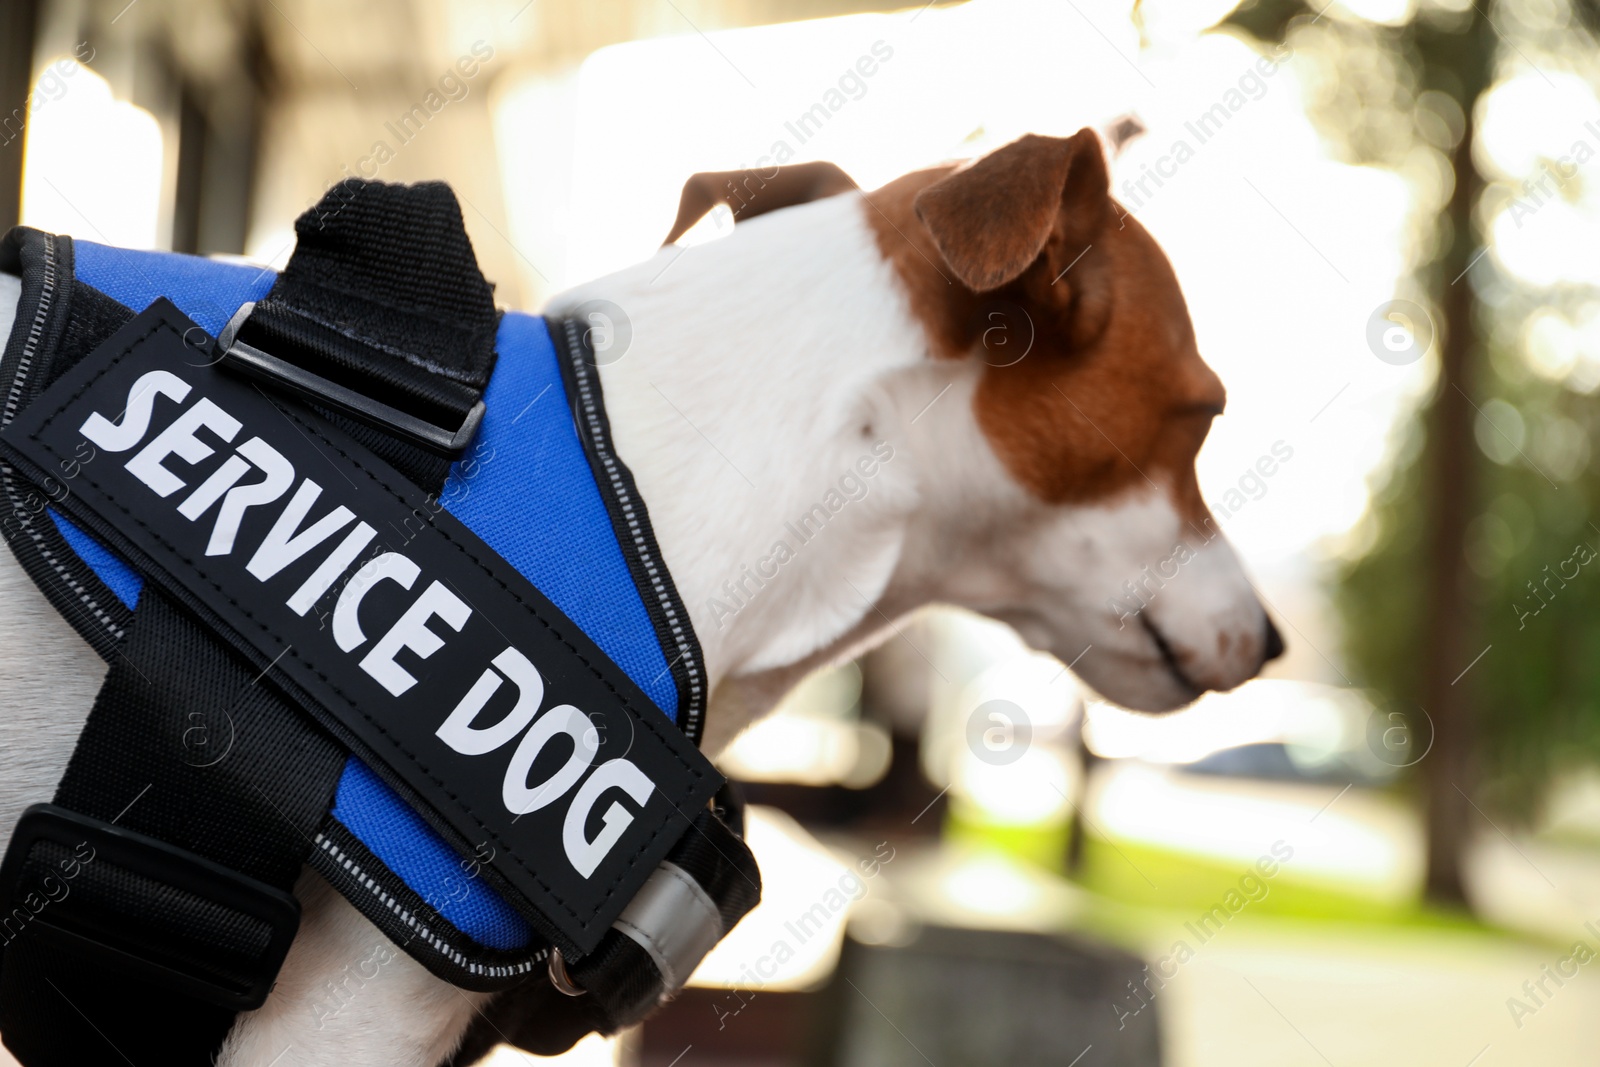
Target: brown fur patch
1112 392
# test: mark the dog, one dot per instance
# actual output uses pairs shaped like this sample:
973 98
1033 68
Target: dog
1004 350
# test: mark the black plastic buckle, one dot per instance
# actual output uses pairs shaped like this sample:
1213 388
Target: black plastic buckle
227 979
264 366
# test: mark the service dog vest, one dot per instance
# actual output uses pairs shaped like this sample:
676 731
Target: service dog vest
378 597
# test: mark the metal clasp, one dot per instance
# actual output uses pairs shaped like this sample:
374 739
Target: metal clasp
265 367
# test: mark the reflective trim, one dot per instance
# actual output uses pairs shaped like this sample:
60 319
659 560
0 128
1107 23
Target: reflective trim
673 920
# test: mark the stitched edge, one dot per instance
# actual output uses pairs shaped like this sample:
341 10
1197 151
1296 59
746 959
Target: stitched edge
694 709
418 927
8 475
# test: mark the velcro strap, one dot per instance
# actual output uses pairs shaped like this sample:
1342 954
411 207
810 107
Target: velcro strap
153 902
384 295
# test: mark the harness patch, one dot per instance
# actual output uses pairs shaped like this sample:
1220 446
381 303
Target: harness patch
371 605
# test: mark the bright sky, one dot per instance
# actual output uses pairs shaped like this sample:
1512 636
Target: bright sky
93 165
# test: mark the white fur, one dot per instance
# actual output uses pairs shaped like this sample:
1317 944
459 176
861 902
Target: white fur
738 407
762 368
348 997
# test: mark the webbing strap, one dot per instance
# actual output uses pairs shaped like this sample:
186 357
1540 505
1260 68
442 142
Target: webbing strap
384 293
179 718
383 296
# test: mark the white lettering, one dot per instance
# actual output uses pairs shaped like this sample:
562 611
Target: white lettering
212 490
458 732
179 439
282 546
346 621
613 774
411 631
222 479
130 428
278 476
563 719
328 572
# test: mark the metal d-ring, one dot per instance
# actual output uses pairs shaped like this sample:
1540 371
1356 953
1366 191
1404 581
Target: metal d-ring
559 977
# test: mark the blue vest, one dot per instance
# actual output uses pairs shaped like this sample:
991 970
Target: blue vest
526 488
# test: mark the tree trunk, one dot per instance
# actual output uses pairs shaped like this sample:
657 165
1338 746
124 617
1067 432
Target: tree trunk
1452 638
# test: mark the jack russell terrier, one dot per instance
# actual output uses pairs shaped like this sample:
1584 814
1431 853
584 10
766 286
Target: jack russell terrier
1005 350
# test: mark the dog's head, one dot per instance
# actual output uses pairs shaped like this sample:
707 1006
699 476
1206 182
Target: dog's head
1068 504
1095 401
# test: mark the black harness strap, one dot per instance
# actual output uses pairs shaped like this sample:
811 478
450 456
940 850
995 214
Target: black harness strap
383 301
179 718
151 902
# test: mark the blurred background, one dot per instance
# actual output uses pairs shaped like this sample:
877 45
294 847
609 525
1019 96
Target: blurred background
1384 214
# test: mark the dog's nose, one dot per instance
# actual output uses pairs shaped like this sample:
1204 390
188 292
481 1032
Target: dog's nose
1273 647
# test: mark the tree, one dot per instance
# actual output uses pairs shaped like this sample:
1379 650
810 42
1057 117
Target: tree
1411 606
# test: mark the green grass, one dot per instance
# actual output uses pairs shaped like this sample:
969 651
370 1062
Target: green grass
1133 892
1137 890
1041 846
1146 876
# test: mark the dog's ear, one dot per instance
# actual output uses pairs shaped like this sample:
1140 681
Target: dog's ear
1123 131
991 219
756 191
